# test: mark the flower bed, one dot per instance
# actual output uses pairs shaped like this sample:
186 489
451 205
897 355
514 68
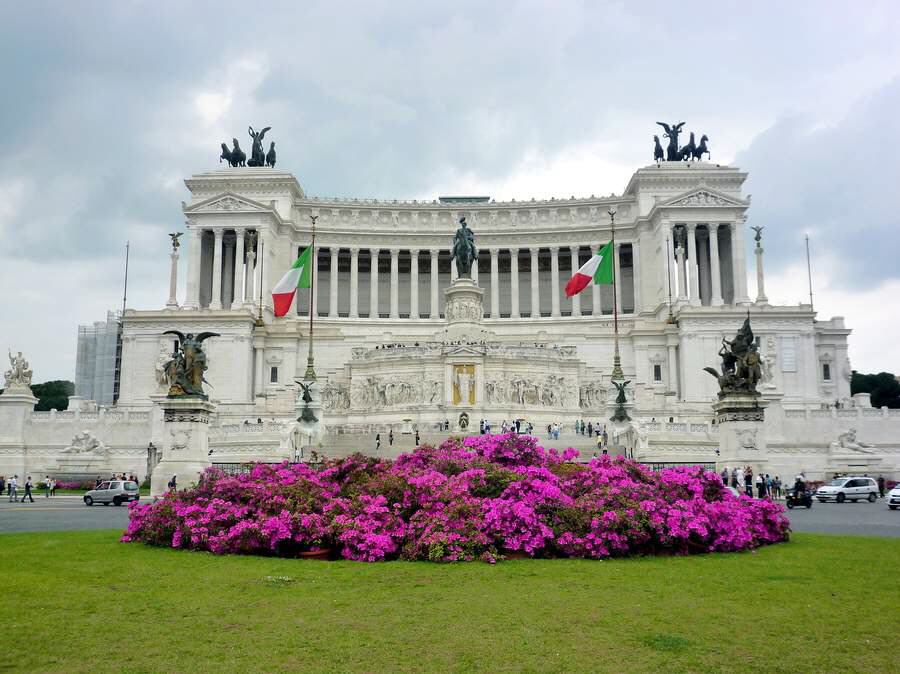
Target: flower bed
465 500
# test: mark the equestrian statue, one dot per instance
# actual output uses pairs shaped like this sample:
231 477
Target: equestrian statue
463 250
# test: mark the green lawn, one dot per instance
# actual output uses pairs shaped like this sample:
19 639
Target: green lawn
82 602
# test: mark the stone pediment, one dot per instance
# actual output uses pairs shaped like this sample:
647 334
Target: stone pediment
704 198
464 350
228 203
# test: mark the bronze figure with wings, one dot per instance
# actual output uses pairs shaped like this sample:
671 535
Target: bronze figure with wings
185 371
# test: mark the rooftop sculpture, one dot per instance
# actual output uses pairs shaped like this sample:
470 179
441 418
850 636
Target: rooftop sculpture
674 152
185 371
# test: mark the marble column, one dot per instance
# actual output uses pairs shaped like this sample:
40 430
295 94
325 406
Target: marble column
596 308
354 283
454 273
475 270
216 301
259 386
693 267
433 311
535 287
195 240
682 272
715 272
617 267
173 281
237 297
514 282
413 283
251 279
395 283
576 299
333 284
373 284
739 263
760 281
495 283
554 281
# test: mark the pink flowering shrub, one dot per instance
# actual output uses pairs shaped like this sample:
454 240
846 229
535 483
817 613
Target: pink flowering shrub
465 500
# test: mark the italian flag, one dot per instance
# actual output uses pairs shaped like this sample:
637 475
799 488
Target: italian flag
298 276
599 270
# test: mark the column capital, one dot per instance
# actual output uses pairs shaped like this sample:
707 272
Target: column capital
554 249
354 250
733 225
494 252
535 251
434 253
691 226
334 251
374 251
414 252
513 251
218 232
395 253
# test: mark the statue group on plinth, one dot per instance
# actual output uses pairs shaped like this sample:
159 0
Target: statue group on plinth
184 372
741 369
19 373
258 157
674 152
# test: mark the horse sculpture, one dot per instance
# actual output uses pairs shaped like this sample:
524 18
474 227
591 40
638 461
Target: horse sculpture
657 150
226 154
701 149
238 158
687 151
270 156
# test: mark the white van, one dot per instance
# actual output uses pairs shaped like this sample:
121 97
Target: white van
849 489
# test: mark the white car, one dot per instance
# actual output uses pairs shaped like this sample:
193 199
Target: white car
849 489
893 498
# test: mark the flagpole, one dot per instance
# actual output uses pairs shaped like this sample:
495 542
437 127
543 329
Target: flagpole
617 374
809 272
310 370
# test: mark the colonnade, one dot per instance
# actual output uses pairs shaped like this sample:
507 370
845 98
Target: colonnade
709 269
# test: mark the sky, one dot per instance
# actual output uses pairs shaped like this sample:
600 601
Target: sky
108 106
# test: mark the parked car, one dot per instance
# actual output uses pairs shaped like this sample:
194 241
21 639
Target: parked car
893 498
116 492
849 489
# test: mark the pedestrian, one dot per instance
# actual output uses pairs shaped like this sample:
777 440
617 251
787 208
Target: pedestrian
46 486
770 485
173 483
590 429
725 476
599 442
13 488
377 441
52 486
417 437
748 481
760 486
550 431
777 484
734 478
27 494
518 425
391 437
881 486
605 437
2 483
97 482
481 427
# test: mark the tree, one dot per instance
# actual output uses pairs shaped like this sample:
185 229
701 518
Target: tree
53 395
884 388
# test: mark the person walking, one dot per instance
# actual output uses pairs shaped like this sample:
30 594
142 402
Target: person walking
377 441
590 429
748 481
46 486
2 484
734 477
27 494
881 486
391 438
777 485
760 486
173 483
725 476
13 488
417 437
769 486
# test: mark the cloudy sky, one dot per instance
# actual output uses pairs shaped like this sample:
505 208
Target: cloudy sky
107 107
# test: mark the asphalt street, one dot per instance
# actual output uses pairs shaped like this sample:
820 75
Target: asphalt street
68 513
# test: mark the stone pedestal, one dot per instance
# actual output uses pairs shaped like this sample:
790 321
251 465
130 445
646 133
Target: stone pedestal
741 421
309 422
185 443
16 405
464 303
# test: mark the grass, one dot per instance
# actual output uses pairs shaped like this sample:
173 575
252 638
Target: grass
82 602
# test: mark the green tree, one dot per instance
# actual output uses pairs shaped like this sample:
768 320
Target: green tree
53 395
884 387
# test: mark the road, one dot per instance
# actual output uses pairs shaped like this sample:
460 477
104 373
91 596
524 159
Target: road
68 513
